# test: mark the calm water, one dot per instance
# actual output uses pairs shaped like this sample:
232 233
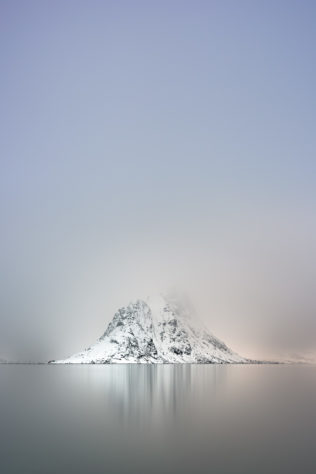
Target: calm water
135 419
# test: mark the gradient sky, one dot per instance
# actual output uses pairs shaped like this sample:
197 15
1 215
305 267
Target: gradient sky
153 145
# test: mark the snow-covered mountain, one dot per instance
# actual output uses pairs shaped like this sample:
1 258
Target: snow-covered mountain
157 330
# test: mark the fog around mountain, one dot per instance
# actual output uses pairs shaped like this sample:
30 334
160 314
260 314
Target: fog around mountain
149 146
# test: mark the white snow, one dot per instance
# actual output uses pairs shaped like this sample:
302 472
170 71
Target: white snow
158 330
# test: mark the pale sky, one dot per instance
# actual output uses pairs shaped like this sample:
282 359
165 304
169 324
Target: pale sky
153 145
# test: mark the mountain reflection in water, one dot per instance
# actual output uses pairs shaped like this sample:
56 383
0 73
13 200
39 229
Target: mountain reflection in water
157 418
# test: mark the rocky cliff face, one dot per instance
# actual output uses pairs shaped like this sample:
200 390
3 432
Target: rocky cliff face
155 331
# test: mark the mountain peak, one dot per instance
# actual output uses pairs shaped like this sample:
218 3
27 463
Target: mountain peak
158 329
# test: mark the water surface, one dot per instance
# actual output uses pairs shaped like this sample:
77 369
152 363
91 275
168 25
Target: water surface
170 418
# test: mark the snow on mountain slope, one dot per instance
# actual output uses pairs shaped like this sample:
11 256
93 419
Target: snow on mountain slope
155 331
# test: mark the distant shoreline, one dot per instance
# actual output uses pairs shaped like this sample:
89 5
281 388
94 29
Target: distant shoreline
162 364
